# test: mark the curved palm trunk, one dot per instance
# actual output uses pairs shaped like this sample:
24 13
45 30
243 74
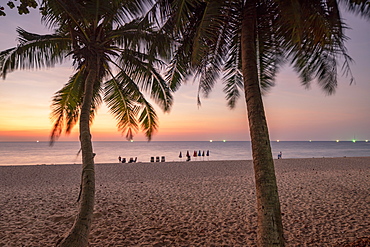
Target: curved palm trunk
270 229
79 234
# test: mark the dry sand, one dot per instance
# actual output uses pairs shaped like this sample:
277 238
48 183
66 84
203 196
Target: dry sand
325 202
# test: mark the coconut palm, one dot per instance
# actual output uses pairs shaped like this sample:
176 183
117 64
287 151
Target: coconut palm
245 43
114 55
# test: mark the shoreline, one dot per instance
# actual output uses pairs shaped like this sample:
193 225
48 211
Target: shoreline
173 161
324 201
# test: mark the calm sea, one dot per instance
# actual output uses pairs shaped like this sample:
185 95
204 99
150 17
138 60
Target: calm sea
37 153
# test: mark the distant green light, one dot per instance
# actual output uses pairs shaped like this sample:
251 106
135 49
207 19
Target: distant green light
353 140
224 140
366 140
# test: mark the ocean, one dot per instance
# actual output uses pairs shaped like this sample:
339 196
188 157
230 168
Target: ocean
40 153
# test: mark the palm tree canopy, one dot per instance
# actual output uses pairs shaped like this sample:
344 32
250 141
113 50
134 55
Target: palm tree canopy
124 46
308 34
245 43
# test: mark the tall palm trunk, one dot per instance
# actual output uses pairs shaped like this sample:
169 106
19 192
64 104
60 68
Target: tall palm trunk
270 229
79 234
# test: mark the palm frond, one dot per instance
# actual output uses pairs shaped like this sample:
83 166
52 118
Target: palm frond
121 100
65 13
67 102
232 76
233 83
269 47
291 19
142 36
66 105
158 13
207 80
148 118
321 47
147 77
207 32
129 106
180 67
177 71
182 10
34 52
320 65
358 7
211 44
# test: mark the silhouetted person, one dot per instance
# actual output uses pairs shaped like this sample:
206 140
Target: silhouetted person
280 155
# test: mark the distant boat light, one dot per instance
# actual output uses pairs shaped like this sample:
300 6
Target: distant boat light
131 140
310 140
277 140
337 140
366 140
224 140
210 141
37 141
353 140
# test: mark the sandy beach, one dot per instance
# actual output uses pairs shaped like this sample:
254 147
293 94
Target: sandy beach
325 202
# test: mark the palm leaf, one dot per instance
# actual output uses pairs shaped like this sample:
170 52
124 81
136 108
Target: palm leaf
269 47
232 76
67 102
125 101
317 55
180 67
34 52
121 101
358 7
146 76
66 105
148 118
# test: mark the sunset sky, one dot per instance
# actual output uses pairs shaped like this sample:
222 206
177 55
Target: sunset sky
293 113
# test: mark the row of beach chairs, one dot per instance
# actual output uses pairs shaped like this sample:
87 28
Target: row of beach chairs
157 159
132 160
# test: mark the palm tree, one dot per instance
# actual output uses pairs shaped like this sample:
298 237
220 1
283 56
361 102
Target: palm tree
114 55
245 43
